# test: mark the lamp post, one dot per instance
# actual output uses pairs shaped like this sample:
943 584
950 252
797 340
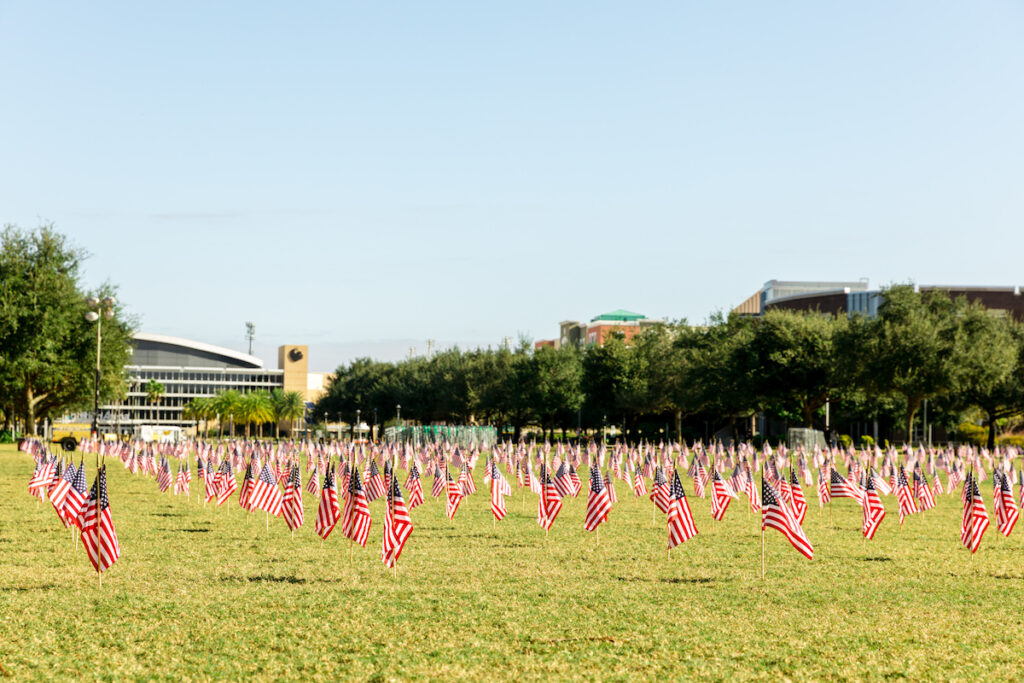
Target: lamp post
355 428
98 310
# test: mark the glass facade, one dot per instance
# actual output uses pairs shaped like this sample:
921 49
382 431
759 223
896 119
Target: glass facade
187 371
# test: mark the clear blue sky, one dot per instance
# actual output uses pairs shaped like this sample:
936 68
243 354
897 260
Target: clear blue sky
364 176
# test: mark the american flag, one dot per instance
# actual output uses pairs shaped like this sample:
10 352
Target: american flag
562 482
440 484
574 479
775 514
327 513
719 496
226 482
752 493
842 488
397 526
248 484
163 477
874 511
680 520
824 490
466 483
549 503
355 522
881 485
181 482
265 494
906 501
55 476
598 502
639 485
610 487
454 495
291 503
313 485
41 478
532 479
415 487
700 478
60 492
660 490
374 484
975 517
98 534
499 489
211 482
76 496
922 491
1005 505
799 507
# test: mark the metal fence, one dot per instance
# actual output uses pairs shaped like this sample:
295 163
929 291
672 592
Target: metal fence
464 436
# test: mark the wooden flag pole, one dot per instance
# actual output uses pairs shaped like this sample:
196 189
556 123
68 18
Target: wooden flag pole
762 527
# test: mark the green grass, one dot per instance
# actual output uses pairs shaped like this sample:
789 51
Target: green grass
207 593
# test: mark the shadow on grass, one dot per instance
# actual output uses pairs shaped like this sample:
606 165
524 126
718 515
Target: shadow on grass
671 579
1010 577
877 559
166 514
26 589
268 578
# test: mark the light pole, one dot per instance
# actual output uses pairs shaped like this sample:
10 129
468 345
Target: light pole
356 427
98 310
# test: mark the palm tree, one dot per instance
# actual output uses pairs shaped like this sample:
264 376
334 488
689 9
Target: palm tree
255 407
286 406
154 391
200 408
226 405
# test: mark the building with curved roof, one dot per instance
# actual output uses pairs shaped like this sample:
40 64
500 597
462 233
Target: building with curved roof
190 369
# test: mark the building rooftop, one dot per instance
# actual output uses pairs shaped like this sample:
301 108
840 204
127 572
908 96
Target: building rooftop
619 315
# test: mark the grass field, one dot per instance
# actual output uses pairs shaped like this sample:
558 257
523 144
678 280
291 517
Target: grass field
207 593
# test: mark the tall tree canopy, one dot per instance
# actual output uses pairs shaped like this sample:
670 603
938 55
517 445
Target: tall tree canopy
47 348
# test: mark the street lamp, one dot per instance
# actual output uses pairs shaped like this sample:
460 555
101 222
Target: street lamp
98 310
356 427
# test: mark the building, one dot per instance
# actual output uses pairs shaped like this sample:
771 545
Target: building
599 329
849 298
189 369
774 291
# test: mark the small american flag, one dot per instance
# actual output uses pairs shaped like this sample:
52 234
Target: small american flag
776 515
98 534
598 502
680 520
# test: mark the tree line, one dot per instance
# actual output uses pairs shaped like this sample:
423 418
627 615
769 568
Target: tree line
231 408
964 362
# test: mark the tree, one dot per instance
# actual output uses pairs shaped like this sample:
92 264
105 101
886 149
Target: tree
255 407
200 409
286 405
989 372
792 361
557 391
48 357
912 349
227 405
715 375
155 391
